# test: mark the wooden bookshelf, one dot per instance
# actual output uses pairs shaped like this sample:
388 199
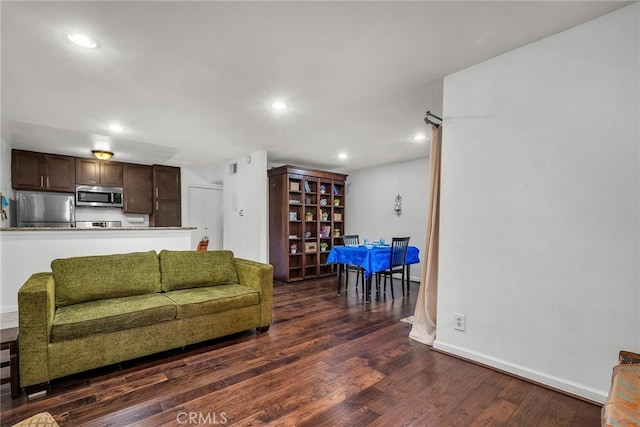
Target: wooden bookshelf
306 210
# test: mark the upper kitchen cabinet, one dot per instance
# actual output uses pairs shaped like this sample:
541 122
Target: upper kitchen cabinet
137 188
167 210
98 172
42 172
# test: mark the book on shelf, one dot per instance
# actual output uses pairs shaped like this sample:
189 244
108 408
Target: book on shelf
307 188
335 190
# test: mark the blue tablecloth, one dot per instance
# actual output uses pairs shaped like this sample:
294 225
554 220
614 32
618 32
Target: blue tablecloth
372 260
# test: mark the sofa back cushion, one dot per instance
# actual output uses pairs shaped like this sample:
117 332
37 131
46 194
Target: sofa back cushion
191 269
90 278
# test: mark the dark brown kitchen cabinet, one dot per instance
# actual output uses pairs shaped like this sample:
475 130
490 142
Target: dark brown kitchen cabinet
98 172
137 188
167 206
42 172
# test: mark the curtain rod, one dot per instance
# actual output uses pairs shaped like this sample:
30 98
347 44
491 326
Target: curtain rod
429 119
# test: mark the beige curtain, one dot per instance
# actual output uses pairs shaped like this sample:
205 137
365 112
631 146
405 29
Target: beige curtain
424 318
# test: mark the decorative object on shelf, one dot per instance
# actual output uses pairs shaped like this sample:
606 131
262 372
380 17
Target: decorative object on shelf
323 189
310 247
307 188
336 232
307 200
325 216
398 206
307 234
337 217
294 248
293 216
293 236
294 186
203 244
323 246
325 231
323 202
309 216
336 202
294 202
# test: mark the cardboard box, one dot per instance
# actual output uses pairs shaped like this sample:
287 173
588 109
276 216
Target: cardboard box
311 247
294 186
337 217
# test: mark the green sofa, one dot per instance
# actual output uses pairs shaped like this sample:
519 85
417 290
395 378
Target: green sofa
94 311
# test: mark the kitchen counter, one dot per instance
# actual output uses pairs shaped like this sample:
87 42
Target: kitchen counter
28 250
92 229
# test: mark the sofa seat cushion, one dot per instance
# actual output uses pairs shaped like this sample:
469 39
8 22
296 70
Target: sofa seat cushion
89 278
190 269
110 315
212 299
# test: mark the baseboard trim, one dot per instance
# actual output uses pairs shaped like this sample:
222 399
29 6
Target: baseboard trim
561 385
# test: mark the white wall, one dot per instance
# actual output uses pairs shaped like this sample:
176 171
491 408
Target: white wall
371 197
246 212
539 216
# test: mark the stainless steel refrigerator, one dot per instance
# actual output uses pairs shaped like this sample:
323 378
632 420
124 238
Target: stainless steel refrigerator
35 209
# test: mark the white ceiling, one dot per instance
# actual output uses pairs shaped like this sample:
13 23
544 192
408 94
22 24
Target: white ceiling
192 82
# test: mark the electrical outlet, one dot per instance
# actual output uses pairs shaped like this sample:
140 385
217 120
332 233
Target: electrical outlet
459 322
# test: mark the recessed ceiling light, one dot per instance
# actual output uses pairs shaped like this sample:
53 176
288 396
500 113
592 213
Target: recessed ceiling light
82 40
420 137
279 105
342 156
115 127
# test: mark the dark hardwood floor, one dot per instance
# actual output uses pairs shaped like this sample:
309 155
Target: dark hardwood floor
327 361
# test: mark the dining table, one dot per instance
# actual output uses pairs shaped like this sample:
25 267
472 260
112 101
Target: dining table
372 259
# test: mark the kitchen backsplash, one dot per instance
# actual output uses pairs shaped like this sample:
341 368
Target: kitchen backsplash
111 214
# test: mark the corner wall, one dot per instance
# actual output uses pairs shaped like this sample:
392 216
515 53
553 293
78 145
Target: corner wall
539 238
246 212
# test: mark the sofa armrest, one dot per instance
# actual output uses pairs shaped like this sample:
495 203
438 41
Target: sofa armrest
258 276
36 307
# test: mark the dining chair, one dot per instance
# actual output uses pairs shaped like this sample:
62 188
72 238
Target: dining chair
352 239
397 263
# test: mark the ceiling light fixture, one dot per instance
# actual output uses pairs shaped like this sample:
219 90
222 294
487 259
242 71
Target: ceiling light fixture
115 127
420 137
102 155
82 40
279 105
342 156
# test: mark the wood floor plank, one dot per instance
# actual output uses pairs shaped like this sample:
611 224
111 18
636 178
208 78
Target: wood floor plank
327 360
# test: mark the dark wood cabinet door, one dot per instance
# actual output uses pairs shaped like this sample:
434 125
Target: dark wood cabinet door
98 172
137 188
27 170
87 171
60 173
111 174
167 205
166 180
167 213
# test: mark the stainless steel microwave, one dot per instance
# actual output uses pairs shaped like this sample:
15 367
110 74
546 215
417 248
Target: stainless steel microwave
88 195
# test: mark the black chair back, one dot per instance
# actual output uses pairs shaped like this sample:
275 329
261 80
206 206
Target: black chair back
399 247
351 239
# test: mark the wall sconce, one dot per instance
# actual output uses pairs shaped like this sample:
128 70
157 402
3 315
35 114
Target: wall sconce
102 155
398 206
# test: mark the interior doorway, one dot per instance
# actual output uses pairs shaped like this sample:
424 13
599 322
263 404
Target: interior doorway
205 213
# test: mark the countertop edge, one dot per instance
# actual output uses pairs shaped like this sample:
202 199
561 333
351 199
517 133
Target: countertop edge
94 229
